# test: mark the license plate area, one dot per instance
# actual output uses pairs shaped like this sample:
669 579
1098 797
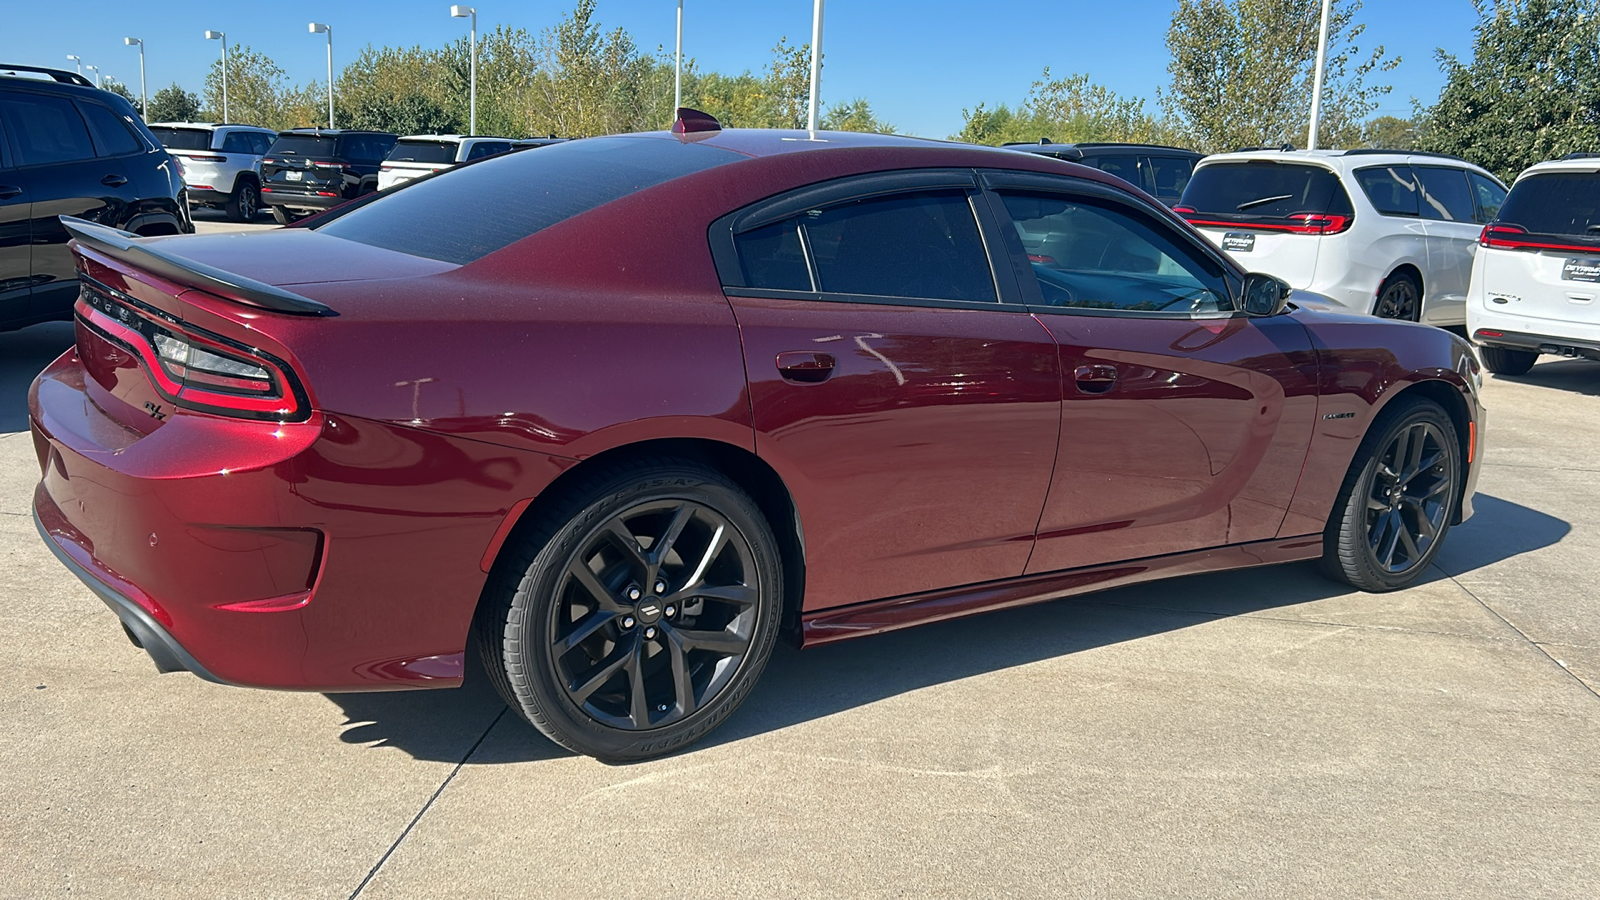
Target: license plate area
1585 269
1239 241
294 175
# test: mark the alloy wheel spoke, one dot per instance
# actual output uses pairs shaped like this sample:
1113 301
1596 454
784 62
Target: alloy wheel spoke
580 572
1412 553
738 594
1425 525
1422 467
629 544
724 642
1419 441
663 546
638 702
586 629
1395 527
681 680
615 660
1437 490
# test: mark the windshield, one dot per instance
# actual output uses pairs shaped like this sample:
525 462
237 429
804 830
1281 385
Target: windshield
183 138
487 205
302 145
1556 203
1264 190
423 152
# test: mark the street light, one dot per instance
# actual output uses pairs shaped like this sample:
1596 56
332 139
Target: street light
219 36
319 28
96 71
144 100
462 12
78 60
677 65
816 65
1316 79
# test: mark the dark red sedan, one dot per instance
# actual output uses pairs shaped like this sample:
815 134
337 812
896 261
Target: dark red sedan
625 410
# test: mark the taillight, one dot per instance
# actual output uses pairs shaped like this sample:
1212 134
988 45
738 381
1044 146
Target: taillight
192 367
1299 223
1515 237
1184 209
208 158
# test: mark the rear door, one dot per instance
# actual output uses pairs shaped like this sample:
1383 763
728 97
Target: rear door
898 387
1183 425
1450 223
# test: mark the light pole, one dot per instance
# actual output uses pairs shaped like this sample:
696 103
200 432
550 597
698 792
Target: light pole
319 28
816 65
96 71
1316 78
462 12
677 64
219 36
144 101
78 60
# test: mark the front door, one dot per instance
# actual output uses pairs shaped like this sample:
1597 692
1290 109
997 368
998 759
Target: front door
910 408
1184 425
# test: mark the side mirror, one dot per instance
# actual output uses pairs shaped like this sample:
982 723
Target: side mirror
1264 295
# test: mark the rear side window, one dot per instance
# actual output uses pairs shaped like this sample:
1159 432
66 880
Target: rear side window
302 145
423 152
1125 167
923 245
112 135
1265 190
237 142
773 259
487 148
482 208
1445 195
1171 175
1392 189
1489 194
1555 203
262 142
45 129
183 138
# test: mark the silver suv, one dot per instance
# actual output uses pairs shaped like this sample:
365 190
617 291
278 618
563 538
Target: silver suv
221 163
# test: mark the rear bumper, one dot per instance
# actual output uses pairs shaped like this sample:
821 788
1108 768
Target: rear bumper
1539 343
274 195
206 196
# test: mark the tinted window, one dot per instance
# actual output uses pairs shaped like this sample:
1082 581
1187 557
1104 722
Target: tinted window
1445 195
922 245
1171 175
45 129
183 138
487 148
1555 203
262 142
423 152
481 208
1124 167
1489 194
1094 255
1265 190
112 135
772 258
302 145
1392 189
238 142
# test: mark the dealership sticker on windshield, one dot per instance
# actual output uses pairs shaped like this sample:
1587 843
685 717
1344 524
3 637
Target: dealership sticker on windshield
1239 241
1581 270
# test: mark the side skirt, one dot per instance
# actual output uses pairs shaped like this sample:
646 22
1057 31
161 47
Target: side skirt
842 623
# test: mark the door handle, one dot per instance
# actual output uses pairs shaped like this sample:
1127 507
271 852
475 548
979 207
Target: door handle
7 191
114 181
804 366
1095 379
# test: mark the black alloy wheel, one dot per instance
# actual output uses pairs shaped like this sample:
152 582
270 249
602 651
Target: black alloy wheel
1399 298
1398 500
244 203
641 613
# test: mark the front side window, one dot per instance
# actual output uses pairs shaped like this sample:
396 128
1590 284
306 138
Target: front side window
1489 194
1391 189
1445 195
45 129
1093 254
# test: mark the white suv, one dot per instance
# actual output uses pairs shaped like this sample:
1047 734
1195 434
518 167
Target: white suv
221 163
1536 281
424 154
1375 231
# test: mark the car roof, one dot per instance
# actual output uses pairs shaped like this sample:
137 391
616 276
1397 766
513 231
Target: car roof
1572 162
1341 161
212 126
334 132
457 138
1047 147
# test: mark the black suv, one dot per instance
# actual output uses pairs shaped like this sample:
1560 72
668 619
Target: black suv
67 148
308 170
1161 172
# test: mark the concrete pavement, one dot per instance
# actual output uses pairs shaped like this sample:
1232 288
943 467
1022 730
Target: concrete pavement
1259 733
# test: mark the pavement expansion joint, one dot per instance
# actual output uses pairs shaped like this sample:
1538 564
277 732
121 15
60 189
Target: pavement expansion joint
1323 623
1531 642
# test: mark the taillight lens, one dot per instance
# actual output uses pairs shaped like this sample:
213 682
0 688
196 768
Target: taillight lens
1299 223
208 158
191 367
1515 237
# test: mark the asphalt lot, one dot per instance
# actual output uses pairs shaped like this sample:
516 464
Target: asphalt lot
1263 734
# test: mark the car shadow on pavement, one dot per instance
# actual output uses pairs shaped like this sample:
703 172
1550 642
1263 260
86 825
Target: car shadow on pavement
23 354
799 686
1580 376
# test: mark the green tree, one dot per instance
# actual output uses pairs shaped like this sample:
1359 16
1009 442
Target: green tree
173 104
1064 110
257 89
1390 133
1531 91
121 90
1242 71
856 115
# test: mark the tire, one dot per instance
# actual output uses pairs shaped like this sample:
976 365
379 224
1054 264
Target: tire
1399 297
1505 361
245 202
283 216
570 653
1376 539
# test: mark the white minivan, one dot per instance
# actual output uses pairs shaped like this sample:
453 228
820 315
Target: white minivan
1536 281
423 154
1382 232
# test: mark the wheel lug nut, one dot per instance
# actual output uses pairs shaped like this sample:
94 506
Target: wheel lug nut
650 633
672 611
661 587
634 593
627 621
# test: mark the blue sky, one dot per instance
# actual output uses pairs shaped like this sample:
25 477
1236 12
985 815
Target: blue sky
920 63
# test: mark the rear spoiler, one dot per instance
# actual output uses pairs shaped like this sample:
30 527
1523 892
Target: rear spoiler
157 260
